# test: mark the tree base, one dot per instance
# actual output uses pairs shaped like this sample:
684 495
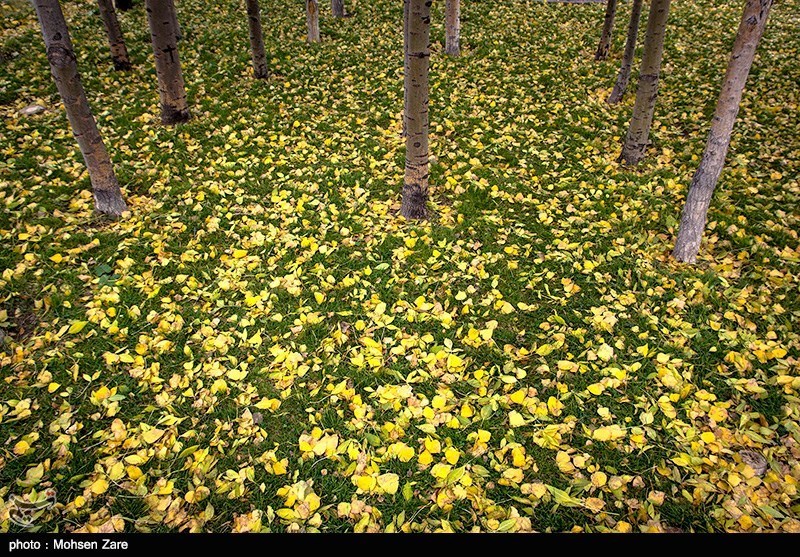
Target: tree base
616 96
122 65
685 250
171 116
109 202
414 213
261 74
693 219
414 205
454 52
632 156
683 256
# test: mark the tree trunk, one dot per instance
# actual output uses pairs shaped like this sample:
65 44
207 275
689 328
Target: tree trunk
175 23
260 68
415 183
639 132
624 75
107 195
406 71
312 19
608 27
124 5
337 7
119 54
174 107
452 23
693 219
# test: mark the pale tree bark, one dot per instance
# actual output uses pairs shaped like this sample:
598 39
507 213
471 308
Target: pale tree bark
174 107
60 54
624 75
312 21
337 8
693 219
119 53
406 72
260 68
452 24
643 109
608 27
415 183
124 5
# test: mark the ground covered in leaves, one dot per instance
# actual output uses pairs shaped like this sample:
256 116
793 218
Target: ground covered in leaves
263 344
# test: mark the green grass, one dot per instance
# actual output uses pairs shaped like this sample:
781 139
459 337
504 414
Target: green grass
303 173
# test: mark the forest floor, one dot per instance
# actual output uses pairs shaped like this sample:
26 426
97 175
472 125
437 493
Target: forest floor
264 344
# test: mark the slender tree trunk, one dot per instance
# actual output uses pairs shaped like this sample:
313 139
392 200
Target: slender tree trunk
337 7
119 54
107 195
693 219
624 75
174 107
452 23
639 132
406 71
608 27
124 5
260 68
415 183
312 20
175 23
